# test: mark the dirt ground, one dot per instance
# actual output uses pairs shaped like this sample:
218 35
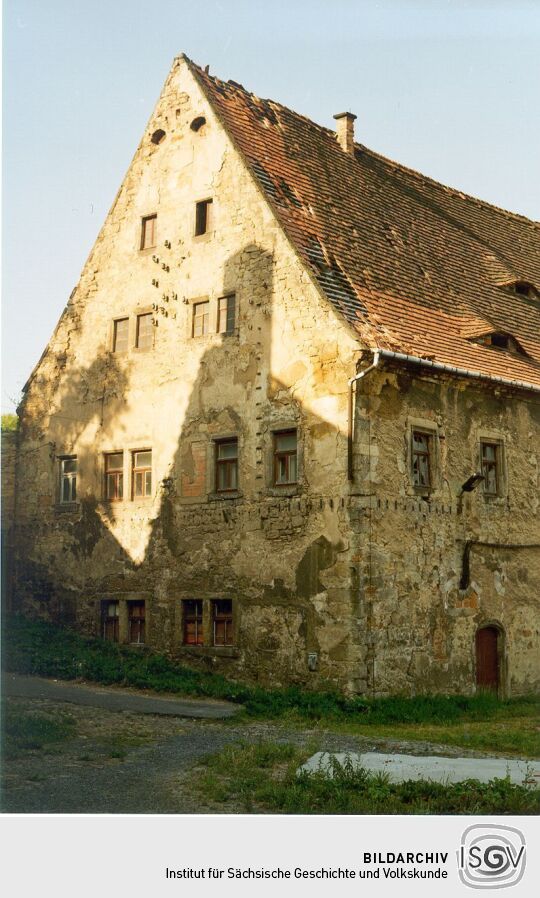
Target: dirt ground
125 762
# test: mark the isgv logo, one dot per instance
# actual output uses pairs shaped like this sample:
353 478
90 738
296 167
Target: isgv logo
491 857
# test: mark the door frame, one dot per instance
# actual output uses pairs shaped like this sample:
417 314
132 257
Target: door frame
501 654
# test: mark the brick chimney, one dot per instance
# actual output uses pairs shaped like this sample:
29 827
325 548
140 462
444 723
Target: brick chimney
345 131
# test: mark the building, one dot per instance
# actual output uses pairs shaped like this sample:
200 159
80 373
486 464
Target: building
287 427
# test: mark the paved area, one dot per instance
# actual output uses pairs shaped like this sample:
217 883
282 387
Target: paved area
400 768
116 699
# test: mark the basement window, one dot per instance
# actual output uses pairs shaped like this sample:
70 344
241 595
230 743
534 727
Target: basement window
68 479
110 621
226 466
148 231
285 457
202 217
421 458
226 315
201 319
136 623
490 458
222 619
114 476
142 474
121 335
144 338
192 621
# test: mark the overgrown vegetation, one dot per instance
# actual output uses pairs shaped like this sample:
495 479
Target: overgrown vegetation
35 647
9 423
258 778
26 732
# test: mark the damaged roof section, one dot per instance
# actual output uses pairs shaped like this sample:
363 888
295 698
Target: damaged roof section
412 265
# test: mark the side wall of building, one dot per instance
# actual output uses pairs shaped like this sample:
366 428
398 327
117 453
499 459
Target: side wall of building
438 566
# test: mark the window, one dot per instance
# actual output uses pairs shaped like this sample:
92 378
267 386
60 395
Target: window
68 479
202 217
490 461
226 465
226 314
223 621
114 476
110 621
121 335
136 622
142 474
193 622
201 318
421 458
148 231
285 457
145 331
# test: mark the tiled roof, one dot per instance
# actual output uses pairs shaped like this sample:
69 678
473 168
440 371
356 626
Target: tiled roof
413 266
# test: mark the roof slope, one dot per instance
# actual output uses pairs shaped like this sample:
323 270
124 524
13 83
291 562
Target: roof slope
414 266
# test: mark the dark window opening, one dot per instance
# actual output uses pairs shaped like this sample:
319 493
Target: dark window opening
222 615
500 340
142 474
68 479
202 216
490 453
226 465
198 123
148 231
421 458
110 621
201 318
158 136
114 476
121 335
226 314
136 622
285 457
144 337
193 622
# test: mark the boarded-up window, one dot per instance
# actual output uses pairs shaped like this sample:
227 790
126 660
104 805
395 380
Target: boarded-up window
222 618
136 622
202 217
121 335
114 476
193 622
226 465
421 458
110 618
226 314
491 468
145 331
148 231
68 479
285 457
142 473
201 318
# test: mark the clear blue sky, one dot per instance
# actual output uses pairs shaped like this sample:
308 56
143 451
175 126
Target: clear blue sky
448 87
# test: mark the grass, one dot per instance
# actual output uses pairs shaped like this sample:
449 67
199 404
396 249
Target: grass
25 732
481 722
262 778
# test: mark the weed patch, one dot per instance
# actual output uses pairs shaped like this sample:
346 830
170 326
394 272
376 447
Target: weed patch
26 732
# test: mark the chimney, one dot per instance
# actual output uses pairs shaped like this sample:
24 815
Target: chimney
345 131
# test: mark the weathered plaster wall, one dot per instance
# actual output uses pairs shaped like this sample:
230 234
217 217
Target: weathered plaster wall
280 553
423 624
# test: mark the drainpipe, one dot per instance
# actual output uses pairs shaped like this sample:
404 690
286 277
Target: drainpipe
359 376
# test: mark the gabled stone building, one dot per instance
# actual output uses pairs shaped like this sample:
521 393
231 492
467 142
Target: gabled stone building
288 425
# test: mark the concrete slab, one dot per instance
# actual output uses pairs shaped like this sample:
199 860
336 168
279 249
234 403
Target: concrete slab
401 768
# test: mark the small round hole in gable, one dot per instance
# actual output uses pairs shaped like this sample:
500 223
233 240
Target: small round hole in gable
198 123
158 136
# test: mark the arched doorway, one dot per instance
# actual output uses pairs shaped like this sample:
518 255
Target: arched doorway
488 658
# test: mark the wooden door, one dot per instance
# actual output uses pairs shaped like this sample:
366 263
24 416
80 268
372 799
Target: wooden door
487 658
